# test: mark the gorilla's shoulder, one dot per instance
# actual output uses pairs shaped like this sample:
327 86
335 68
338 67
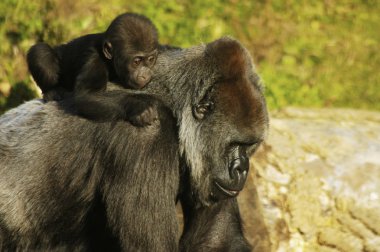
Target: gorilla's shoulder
37 115
29 114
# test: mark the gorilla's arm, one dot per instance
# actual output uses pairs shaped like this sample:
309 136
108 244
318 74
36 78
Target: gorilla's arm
213 228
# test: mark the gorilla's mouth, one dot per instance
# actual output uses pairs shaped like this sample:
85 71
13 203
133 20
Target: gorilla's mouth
226 191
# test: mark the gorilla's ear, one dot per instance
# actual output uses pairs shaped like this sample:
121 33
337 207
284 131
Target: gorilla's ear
107 49
229 56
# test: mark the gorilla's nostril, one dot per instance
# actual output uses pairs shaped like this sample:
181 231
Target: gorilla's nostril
239 169
234 169
244 173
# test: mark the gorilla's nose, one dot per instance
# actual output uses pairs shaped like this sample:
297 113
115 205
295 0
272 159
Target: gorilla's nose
233 182
239 171
142 81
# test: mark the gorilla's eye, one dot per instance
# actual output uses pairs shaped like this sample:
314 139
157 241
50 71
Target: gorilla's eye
137 61
151 59
202 109
252 146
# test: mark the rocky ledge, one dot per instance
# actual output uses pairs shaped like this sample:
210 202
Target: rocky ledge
318 181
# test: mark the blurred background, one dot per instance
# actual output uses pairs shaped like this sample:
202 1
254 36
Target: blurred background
309 53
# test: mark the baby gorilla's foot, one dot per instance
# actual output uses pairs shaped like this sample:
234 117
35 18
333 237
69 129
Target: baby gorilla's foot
147 117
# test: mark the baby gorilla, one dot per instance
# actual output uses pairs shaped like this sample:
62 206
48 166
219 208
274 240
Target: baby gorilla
124 54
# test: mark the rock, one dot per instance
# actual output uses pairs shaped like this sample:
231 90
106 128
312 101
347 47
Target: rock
343 241
318 182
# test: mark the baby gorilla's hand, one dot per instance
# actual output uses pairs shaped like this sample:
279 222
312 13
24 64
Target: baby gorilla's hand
147 117
140 111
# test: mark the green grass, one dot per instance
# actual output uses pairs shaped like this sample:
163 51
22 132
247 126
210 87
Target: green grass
309 53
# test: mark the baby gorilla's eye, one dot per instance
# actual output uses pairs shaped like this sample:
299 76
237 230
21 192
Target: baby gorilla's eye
151 60
137 61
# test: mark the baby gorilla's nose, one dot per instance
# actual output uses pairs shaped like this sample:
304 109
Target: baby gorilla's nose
142 80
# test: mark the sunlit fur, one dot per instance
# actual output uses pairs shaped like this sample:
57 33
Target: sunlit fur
70 184
57 169
85 65
223 69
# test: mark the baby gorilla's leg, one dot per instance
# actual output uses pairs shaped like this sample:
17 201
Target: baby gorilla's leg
43 64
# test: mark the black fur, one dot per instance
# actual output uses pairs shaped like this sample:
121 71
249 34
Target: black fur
60 172
93 178
124 54
93 197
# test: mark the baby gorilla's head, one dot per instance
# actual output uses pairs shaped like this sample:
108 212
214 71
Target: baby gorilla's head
131 42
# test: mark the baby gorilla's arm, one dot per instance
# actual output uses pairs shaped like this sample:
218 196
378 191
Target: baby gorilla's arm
116 105
92 102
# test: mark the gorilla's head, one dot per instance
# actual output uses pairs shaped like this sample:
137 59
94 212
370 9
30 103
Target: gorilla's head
221 111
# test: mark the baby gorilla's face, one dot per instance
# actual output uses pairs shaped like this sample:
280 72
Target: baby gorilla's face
140 68
133 68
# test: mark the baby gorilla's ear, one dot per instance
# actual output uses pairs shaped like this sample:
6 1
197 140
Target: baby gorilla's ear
107 49
229 56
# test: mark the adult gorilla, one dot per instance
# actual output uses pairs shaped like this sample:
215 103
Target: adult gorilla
67 183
